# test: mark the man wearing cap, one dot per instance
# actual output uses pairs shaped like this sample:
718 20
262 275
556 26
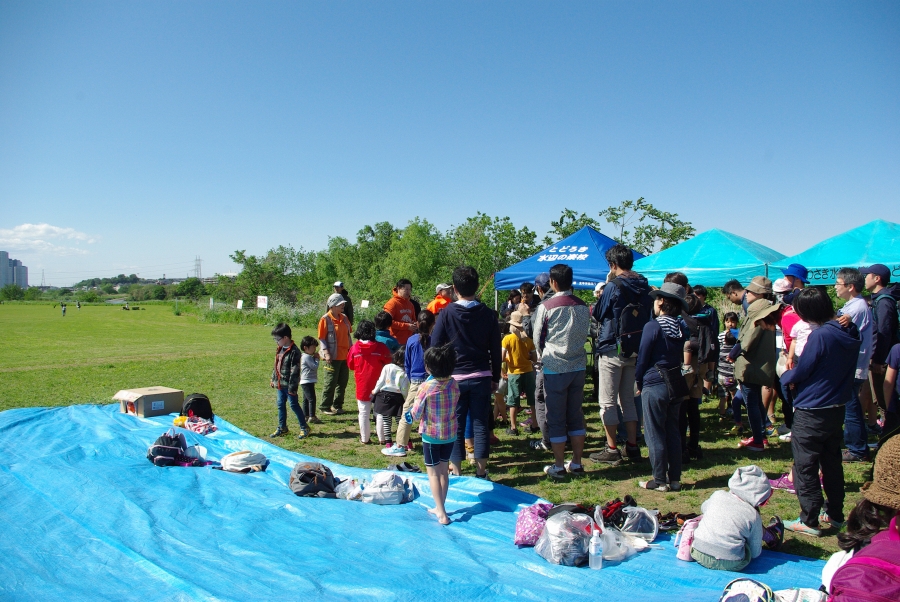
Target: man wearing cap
884 311
848 285
348 308
334 337
443 294
796 275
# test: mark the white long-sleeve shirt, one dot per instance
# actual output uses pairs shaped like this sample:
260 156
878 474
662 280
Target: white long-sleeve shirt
393 379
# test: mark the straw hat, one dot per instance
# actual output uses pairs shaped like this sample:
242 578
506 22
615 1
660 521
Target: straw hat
515 319
885 487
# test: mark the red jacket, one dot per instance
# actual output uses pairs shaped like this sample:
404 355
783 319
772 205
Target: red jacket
367 358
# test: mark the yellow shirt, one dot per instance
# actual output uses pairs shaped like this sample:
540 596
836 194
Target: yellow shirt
518 353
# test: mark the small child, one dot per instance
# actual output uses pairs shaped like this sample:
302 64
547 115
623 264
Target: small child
383 322
286 380
388 397
727 384
500 396
519 354
435 405
309 367
366 358
731 532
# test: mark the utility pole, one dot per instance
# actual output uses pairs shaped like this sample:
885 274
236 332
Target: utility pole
197 271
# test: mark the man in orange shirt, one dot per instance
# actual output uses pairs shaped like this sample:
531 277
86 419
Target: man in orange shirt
443 294
402 311
334 336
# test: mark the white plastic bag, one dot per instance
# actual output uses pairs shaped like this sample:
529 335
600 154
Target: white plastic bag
640 522
616 545
566 539
349 489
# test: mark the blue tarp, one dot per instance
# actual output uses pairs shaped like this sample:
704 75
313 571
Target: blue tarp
86 517
711 258
584 251
875 242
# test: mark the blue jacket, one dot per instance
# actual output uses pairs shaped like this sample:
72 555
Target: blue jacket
475 334
384 336
414 359
884 309
823 376
657 348
607 311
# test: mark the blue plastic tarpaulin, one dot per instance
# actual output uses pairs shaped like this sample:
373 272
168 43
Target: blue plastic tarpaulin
87 517
585 251
875 242
711 258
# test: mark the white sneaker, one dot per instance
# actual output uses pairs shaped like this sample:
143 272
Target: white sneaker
786 438
555 471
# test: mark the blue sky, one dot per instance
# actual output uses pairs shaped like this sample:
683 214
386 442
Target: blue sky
135 136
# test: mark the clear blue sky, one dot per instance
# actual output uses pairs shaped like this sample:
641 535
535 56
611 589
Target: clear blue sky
139 135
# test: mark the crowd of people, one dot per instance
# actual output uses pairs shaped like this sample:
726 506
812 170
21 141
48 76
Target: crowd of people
459 367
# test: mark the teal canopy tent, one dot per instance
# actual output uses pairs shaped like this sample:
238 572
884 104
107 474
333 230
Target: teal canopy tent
711 258
875 242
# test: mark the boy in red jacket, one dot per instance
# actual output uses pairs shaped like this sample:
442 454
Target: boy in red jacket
366 358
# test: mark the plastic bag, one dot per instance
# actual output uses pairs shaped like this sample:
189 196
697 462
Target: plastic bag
616 545
349 489
530 524
566 539
387 488
641 522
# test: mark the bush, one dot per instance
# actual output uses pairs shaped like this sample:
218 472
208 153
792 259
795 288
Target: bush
33 294
11 292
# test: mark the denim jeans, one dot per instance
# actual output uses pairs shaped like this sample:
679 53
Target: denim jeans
855 434
753 399
283 397
475 398
661 433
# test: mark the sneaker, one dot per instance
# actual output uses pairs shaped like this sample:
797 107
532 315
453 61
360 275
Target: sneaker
749 445
873 429
314 420
783 429
396 450
304 433
786 438
653 485
555 472
613 457
633 452
736 431
512 432
784 483
687 369
848 456
798 527
333 411
533 429
280 432
827 522
770 430
483 477
574 469
538 444
674 485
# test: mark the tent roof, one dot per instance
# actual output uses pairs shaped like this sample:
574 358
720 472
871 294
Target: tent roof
875 242
711 258
584 250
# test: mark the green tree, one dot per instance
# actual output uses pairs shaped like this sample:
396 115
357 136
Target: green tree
279 274
489 244
33 294
109 289
569 223
191 287
11 292
417 253
158 292
651 229
89 296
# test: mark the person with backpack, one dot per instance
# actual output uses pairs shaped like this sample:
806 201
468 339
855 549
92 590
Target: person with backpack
622 311
887 323
334 336
868 565
286 380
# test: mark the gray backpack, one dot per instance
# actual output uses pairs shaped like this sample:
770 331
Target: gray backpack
312 479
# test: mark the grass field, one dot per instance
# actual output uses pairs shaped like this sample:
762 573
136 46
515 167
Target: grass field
48 360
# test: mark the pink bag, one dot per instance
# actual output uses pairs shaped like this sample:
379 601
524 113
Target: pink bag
685 539
530 524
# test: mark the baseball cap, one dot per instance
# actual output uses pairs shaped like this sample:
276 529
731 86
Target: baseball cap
879 269
542 280
443 286
338 283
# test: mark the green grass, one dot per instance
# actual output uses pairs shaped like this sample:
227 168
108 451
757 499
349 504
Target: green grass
48 360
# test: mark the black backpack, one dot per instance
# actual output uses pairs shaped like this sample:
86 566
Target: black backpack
199 404
170 449
631 321
890 295
312 479
707 341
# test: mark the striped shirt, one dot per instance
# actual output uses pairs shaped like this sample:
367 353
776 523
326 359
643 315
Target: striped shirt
435 404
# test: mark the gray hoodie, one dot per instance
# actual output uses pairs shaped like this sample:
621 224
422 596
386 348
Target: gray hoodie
731 521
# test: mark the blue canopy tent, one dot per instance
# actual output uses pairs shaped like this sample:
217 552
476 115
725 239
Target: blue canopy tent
875 242
584 250
711 258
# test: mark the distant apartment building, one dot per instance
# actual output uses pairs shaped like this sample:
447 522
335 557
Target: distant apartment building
12 271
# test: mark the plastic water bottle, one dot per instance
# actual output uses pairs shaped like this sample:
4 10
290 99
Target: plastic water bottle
595 551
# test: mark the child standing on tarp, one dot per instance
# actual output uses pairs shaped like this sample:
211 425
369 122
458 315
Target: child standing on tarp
286 380
388 396
309 369
435 405
731 532
366 358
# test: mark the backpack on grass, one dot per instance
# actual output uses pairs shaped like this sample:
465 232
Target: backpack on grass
197 404
312 479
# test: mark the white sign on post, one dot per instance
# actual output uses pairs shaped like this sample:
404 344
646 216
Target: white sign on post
262 302
240 304
210 302
364 304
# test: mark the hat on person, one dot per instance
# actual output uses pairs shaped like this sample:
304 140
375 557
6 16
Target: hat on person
797 271
334 300
885 487
750 484
338 283
515 319
760 285
670 290
599 287
443 286
782 286
542 280
879 269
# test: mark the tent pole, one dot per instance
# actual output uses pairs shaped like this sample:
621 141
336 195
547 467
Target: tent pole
496 304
